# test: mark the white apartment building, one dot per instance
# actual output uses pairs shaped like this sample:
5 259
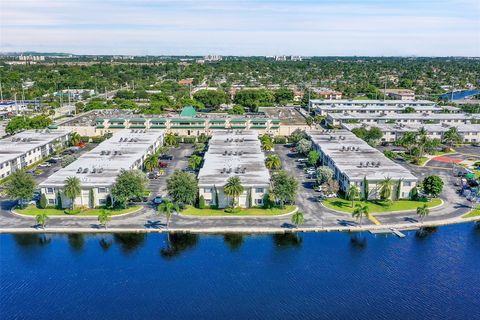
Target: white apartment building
234 153
28 147
353 160
98 169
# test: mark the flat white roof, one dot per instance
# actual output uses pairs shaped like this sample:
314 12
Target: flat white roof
14 146
234 153
462 127
101 166
372 102
406 116
351 154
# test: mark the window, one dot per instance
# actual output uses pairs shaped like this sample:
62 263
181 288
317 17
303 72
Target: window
259 190
407 183
102 190
207 190
258 201
102 201
51 201
50 190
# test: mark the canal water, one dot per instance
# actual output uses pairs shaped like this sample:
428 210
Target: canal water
434 275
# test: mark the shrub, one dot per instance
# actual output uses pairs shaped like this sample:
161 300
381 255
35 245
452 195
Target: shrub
108 201
42 204
280 140
201 202
189 139
84 139
233 210
72 211
59 201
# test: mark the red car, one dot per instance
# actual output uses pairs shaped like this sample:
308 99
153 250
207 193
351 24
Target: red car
162 164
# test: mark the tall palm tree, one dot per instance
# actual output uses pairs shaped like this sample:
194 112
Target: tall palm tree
298 219
233 188
359 212
386 186
75 138
72 189
167 207
423 211
267 144
151 162
104 217
272 162
451 136
42 219
423 140
352 193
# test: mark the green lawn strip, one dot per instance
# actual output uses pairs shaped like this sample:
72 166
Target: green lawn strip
33 211
473 213
378 206
192 211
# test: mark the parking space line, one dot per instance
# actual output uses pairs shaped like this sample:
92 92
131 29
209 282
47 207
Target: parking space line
373 219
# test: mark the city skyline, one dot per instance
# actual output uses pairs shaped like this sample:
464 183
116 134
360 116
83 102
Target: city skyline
243 28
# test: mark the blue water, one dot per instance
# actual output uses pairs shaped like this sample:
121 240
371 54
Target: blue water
309 276
459 95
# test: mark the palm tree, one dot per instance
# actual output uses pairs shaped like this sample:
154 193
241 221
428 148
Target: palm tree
386 186
353 192
72 189
42 219
272 162
151 162
75 138
167 207
233 188
298 219
423 211
170 139
359 212
267 144
194 162
104 217
309 121
451 136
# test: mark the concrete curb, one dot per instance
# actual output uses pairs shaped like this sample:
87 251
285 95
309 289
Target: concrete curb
237 217
386 212
12 211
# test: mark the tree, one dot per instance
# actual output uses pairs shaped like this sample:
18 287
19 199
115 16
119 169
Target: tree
359 212
253 98
75 138
332 186
297 135
201 202
91 195
309 121
298 219
166 207
216 195
237 109
272 162
211 98
313 157
352 193
233 188
59 204
283 96
423 211
182 187
266 142
386 186
104 217
433 185
130 184
304 146
284 188
324 174
414 194
194 162
66 160
42 219
72 189
170 139
151 162
452 136
42 204
20 186
409 110
366 189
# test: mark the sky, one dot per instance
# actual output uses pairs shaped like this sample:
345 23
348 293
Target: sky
243 27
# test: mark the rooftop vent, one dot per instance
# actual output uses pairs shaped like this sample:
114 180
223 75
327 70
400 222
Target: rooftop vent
85 170
79 170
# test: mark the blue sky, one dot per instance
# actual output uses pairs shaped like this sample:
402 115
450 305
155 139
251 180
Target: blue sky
245 27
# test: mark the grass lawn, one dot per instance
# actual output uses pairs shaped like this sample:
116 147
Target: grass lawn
378 206
474 213
192 211
33 211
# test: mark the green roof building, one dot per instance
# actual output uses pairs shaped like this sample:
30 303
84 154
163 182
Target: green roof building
188 111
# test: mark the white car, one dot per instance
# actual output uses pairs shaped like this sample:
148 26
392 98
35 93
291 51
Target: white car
45 164
302 160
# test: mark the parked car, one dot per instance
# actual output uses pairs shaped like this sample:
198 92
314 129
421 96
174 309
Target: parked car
52 161
27 202
165 157
158 200
302 160
162 164
45 164
153 175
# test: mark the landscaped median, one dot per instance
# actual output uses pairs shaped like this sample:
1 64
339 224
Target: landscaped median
33 211
472 214
375 206
207 212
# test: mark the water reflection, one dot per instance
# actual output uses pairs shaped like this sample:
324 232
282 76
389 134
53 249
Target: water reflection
76 242
424 233
105 244
32 240
177 243
286 240
129 242
358 241
233 241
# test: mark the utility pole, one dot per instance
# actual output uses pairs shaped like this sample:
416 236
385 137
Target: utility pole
385 90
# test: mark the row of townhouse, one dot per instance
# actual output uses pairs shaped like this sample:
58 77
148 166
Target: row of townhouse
28 147
234 153
98 169
353 161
